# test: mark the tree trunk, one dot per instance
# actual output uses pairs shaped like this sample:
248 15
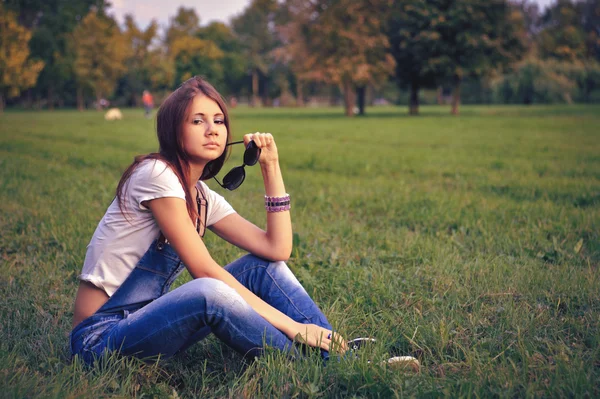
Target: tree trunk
1 103
361 94
456 96
440 95
254 100
266 101
50 98
413 108
98 104
134 100
80 104
349 98
333 95
29 99
299 93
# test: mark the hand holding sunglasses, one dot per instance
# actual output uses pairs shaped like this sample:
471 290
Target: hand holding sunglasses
235 177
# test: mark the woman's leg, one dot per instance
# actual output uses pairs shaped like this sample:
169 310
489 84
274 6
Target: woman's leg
166 325
275 284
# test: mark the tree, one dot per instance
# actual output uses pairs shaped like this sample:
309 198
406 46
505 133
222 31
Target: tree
537 81
51 23
194 56
161 70
415 44
347 46
100 51
562 38
233 62
17 70
590 13
139 63
190 54
185 24
254 29
478 38
293 18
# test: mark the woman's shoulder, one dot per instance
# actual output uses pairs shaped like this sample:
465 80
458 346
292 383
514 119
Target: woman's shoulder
156 173
218 207
208 192
153 168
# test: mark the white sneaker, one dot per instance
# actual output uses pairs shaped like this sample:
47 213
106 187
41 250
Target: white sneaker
403 362
399 362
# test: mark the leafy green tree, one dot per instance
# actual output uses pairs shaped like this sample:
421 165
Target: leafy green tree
415 44
536 81
590 13
52 22
185 24
100 51
479 38
161 70
562 38
190 54
233 62
194 56
17 70
139 62
255 30
435 41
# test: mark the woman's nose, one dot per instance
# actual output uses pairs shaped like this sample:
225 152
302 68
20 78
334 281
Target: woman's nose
212 129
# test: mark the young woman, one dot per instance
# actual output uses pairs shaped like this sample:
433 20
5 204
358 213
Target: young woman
153 230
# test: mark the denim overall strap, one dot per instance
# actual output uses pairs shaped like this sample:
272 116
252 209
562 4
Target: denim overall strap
151 278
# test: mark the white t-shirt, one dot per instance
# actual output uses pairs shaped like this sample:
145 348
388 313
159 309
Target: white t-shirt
119 243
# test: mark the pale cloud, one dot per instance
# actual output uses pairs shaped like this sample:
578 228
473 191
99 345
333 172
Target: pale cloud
144 11
208 10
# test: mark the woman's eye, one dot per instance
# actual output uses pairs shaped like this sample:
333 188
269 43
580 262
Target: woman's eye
197 121
220 122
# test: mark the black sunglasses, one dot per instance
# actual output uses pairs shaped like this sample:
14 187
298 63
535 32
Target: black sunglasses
235 177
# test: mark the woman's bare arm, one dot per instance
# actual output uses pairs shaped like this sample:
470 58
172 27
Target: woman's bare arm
172 217
276 242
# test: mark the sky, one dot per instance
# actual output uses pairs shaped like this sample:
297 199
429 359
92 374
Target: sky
208 10
145 10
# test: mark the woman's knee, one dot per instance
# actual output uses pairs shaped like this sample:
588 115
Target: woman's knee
210 292
276 267
280 271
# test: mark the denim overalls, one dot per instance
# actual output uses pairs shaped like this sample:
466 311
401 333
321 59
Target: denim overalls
144 319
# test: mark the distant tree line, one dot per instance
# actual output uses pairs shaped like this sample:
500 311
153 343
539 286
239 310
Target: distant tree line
56 53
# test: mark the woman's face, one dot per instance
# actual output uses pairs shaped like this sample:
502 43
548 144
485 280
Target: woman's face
204 131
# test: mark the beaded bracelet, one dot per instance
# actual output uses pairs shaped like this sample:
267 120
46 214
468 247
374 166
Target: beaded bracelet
277 204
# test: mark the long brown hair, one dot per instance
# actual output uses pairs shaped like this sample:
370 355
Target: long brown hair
169 119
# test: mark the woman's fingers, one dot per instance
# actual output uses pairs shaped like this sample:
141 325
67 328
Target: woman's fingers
324 339
262 140
337 343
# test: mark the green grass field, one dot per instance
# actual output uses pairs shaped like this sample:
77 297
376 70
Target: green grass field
471 242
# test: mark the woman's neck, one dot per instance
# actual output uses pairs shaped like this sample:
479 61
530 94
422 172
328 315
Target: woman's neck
196 171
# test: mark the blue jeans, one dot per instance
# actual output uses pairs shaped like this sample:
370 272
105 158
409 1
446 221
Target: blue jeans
144 319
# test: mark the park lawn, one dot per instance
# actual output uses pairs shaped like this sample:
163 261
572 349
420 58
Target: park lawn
470 242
